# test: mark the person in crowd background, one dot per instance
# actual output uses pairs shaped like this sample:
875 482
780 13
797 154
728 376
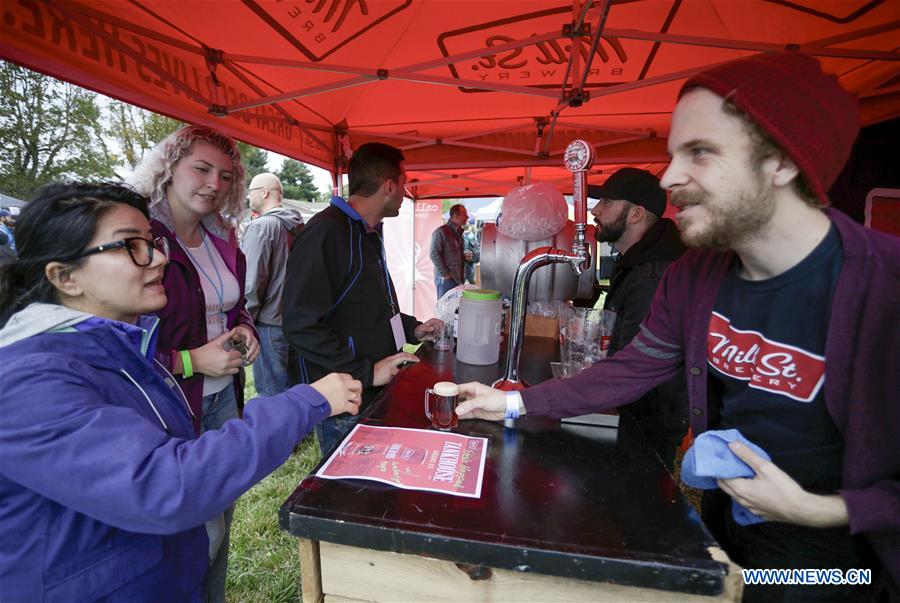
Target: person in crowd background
7 255
783 321
628 215
471 251
193 178
105 486
266 244
447 251
340 307
7 223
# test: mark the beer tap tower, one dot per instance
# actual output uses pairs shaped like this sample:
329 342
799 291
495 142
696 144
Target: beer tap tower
579 157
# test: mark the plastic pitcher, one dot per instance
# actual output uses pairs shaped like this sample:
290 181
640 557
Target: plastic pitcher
584 336
478 337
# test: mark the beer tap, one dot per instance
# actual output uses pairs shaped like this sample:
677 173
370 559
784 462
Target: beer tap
579 157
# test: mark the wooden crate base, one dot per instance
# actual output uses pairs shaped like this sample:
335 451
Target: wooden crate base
347 574
541 326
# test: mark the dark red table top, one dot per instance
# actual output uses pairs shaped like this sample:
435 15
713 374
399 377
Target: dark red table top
586 502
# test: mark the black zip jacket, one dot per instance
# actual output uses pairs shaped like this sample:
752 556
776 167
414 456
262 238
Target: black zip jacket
662 412
636 276
339 299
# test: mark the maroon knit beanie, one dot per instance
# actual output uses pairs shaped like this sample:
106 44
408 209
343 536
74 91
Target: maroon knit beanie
805 111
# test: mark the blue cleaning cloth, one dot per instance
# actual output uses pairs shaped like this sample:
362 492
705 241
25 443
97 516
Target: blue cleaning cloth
710 459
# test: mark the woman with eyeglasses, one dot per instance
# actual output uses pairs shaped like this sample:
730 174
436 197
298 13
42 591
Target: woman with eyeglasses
193 178
104 486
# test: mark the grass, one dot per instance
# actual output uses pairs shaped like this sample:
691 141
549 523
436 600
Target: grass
263 561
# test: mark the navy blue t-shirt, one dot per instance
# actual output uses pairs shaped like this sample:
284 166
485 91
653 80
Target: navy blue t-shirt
766 349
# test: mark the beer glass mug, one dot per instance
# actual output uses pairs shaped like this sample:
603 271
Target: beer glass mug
440 405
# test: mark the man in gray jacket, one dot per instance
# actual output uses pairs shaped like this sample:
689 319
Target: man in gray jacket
267 243
447 253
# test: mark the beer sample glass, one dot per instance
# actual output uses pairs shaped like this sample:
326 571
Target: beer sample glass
440 405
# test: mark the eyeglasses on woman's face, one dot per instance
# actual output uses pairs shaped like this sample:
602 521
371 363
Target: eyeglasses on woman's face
140 249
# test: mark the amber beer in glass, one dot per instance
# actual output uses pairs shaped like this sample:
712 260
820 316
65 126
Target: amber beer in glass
440 405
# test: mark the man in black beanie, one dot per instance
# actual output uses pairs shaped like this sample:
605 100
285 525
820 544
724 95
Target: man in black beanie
628 215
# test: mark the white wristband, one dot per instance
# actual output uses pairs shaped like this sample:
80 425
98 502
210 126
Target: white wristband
512 404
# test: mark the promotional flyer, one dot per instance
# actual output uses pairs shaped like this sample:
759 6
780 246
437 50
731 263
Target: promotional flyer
414 459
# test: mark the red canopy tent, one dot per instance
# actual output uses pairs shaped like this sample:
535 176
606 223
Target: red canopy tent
480 94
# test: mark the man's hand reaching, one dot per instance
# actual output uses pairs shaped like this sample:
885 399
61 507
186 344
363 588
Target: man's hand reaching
387 367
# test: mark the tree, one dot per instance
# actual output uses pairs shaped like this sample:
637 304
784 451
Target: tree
136 130
254 160
297 181
49 130
325 196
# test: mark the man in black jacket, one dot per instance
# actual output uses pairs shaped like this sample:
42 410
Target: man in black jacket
628 214
341 312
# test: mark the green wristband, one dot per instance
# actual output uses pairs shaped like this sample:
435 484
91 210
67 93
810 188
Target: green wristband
187 369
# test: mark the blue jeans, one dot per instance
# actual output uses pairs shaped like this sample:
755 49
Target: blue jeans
218 408
271 368
443 285
333 429
470 273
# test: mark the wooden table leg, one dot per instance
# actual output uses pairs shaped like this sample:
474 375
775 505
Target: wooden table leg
310 571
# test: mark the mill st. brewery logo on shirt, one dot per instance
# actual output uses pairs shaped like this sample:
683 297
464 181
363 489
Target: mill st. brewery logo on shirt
765 364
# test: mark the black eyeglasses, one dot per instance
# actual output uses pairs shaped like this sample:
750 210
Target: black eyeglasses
140 249
250 190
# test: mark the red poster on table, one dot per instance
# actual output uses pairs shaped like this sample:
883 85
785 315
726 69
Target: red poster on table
414 459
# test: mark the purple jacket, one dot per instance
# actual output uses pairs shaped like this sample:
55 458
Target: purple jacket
862 356
104 489
183 320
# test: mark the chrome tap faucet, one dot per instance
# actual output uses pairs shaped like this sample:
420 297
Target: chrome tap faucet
579 157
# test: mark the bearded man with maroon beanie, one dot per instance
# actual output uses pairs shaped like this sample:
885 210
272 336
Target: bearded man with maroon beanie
783 320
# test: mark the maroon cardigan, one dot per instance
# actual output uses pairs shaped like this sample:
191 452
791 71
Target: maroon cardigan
862 368
183 319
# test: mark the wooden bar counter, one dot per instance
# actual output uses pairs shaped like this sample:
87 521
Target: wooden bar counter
567 513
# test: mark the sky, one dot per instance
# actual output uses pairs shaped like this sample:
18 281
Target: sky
321 177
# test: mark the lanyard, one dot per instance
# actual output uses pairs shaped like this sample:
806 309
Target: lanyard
387 276
220 290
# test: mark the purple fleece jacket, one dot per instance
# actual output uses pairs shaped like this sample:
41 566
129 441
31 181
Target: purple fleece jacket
104 489
862 356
